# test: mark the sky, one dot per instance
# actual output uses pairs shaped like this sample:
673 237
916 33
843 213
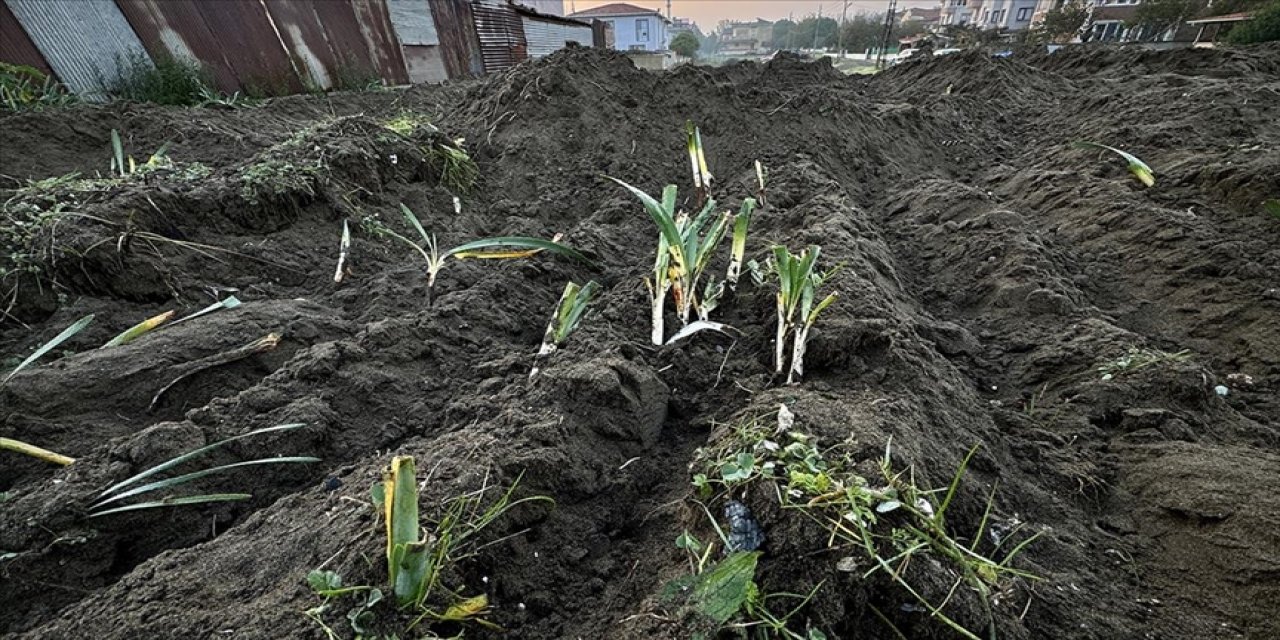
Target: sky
709 12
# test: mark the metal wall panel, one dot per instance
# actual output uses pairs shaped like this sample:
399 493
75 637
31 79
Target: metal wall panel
544 38
459 45
502 43
177 28
84 41
380 37
413 22
16 47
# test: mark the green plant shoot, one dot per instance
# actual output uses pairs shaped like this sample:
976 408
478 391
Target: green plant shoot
685 248
504 248
568 315
1137 167
798 283
739 250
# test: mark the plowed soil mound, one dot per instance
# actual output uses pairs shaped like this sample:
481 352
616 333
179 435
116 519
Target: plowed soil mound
989 270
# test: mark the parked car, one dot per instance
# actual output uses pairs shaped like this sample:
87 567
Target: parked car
946 52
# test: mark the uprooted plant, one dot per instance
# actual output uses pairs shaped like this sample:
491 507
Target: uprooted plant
798 284
887 521
126 489
1137 167
568 315
499 248
422 556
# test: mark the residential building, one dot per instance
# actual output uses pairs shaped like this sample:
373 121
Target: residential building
745 37
680 25
926 17
1009 15
955 13
634 28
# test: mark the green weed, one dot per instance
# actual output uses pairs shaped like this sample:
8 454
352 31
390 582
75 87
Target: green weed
167 80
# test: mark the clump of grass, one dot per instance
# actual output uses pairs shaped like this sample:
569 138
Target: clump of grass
168 80
888 521
24 87
458 172
1139 358
408 123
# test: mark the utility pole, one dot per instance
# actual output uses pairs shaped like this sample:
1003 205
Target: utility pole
669 10
791 32
816 25
887 34
840 37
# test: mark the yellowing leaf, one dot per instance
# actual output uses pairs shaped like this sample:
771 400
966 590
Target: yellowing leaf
467 609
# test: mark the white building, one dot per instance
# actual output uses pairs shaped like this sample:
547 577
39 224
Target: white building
1010 15
634 28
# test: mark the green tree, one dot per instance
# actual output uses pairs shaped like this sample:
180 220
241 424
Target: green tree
1062 22
863 31
1158 16
1264 27
782 34
685 44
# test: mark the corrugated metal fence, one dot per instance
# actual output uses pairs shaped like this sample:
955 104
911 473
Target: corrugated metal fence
85 42
279 46
502 43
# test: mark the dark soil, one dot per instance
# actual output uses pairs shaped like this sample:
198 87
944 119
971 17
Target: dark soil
989 269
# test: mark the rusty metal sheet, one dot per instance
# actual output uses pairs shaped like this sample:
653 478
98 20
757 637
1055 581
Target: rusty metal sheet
177 28
300 29
84 41
459 46
375 26
502 43
244 29
16 46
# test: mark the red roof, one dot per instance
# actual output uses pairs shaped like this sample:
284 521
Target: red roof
615 9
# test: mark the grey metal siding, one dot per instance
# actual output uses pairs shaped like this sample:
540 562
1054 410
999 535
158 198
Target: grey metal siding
413 22
83 40
544 38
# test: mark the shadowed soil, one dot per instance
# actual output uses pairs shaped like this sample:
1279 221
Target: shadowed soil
989 270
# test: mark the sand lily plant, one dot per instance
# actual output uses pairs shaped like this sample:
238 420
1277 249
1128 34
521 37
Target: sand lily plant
798 284
125 166
1137 167
739 250
138 330
697 162
49 346
568 315
417 560
130 488
499 248
685 247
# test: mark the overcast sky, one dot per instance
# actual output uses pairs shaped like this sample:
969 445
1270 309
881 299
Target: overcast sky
708 12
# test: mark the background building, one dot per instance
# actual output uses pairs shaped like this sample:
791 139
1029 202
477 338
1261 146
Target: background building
634 28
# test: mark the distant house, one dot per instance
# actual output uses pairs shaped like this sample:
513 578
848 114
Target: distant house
680 25
1009 15
634 28
925 17
745 37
